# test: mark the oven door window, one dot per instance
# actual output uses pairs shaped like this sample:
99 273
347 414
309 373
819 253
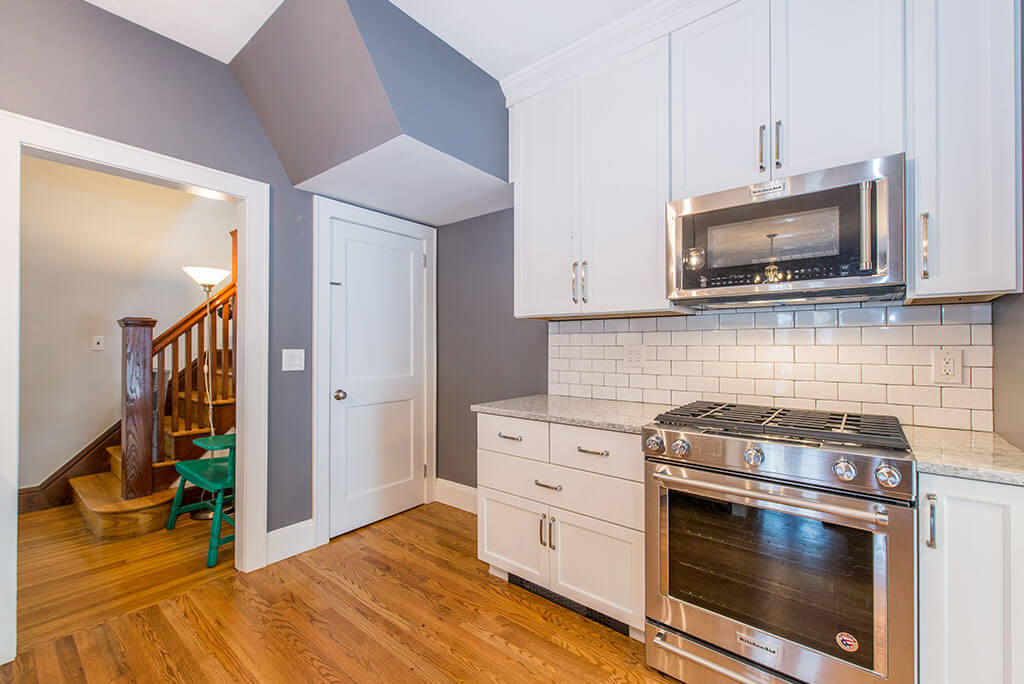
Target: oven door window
797 578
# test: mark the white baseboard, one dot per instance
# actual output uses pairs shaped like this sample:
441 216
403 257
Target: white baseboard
290 541
455 494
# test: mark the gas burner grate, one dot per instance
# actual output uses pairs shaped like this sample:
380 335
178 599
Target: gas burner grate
830 426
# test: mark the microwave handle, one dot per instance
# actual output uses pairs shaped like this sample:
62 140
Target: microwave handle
866 253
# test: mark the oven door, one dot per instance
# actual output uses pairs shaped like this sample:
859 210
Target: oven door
816 586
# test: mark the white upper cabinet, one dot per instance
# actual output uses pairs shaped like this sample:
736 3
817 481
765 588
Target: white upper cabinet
720 103
625 183
836 82
964 171
545 144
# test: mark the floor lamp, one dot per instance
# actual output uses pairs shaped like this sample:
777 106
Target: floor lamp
207 277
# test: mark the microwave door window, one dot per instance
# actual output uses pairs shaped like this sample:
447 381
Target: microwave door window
805 235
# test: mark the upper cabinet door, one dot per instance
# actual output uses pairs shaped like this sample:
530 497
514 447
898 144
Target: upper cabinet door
547 211
626 183
836 84
964 228
720 101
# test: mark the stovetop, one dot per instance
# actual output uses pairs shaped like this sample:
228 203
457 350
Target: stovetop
828 426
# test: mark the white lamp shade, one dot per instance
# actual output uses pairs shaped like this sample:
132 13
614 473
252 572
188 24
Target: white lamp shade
206 276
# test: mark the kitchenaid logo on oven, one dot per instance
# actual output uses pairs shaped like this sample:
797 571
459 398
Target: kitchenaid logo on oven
747 641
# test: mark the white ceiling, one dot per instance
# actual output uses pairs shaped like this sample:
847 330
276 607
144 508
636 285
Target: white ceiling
504 36
218 28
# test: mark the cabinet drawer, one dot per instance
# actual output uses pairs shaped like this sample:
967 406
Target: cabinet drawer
600 451
526 438
599 496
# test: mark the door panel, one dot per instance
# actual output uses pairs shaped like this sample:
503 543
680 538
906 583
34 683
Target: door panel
720 100
510 531
377 358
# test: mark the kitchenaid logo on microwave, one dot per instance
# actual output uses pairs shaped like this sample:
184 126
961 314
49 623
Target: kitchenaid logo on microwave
747 641
769 188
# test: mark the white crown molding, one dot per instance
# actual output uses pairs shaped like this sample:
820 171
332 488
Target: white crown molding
656 19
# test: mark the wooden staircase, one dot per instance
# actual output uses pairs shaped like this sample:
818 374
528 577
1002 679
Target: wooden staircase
164 408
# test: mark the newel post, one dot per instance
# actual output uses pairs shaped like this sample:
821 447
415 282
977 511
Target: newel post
137 407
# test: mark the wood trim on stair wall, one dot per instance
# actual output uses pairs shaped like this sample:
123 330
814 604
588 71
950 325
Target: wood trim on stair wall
55 490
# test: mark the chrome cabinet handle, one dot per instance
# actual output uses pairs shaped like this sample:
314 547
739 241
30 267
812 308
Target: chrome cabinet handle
778 144
760 148
659 641
583 281
866 257
340 395
557 488
518 438
931 543
575 296
551 533
592 452
924 245
543 517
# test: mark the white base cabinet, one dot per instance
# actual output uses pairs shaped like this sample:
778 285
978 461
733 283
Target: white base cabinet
971 553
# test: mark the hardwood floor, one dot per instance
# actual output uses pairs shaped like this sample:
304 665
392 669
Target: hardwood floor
403 600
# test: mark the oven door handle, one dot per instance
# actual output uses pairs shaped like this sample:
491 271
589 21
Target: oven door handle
659 641
879 518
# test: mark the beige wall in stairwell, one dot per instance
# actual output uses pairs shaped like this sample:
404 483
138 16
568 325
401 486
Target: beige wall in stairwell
95 248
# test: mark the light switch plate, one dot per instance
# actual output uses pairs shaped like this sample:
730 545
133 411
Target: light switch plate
98 343
293 359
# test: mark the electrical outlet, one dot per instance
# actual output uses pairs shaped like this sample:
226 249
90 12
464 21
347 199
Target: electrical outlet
947 366
98 344
633 361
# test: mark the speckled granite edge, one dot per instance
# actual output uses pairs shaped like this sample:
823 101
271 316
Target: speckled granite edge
957 453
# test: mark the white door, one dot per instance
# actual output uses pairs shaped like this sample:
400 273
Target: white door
964 135
626 183
598 564
720 101
837 82
971 599
378 383
512 534
545 142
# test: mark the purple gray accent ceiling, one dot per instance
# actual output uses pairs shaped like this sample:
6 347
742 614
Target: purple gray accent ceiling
70 63
483 352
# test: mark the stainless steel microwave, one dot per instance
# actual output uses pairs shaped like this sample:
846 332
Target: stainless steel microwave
828 235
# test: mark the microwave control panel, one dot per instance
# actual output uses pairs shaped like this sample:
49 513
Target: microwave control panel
775 274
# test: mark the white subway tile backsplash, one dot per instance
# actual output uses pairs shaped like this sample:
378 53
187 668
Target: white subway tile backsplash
875 359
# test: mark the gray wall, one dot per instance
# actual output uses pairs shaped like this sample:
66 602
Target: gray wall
67 62
483 353
1008 368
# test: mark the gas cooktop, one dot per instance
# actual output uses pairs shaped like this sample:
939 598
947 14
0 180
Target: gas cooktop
828 426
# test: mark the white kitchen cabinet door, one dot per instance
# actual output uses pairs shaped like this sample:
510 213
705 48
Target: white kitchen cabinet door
547 202
512 534
626 183
963 231
971 595
720 101
837 82
598 564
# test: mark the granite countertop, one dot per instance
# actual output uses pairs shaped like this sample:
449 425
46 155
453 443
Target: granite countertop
959 453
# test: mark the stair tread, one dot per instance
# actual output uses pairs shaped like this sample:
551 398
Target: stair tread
101 493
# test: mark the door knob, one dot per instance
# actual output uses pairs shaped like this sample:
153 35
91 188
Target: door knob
340 395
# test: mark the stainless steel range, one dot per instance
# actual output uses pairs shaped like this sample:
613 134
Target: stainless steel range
780 546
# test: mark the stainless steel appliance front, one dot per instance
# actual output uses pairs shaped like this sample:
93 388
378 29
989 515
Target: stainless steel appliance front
834 234
752 574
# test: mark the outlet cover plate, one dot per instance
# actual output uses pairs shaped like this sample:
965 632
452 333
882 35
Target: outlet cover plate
98 343
293 359
633 361
947 366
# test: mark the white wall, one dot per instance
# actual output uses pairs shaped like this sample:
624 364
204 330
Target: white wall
96 248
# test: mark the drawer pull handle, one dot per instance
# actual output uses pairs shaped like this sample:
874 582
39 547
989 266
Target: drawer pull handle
557 488
514 439
592 452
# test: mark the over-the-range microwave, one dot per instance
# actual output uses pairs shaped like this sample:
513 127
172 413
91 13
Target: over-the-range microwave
834 235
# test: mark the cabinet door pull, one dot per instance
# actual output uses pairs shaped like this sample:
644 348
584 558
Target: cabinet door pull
924 245
575 296
592 452
760 148
518 438
557 488
543 518
778 144
551 533
931 543
583 281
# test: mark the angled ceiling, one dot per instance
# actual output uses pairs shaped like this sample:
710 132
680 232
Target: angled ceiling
218 28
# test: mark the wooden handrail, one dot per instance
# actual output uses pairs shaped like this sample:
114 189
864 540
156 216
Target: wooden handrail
164 339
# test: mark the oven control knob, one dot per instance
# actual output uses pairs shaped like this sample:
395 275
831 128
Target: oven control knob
844 470
888 476
753 456
681 447
654 443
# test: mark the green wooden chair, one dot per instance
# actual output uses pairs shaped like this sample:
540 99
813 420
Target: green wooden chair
215 475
